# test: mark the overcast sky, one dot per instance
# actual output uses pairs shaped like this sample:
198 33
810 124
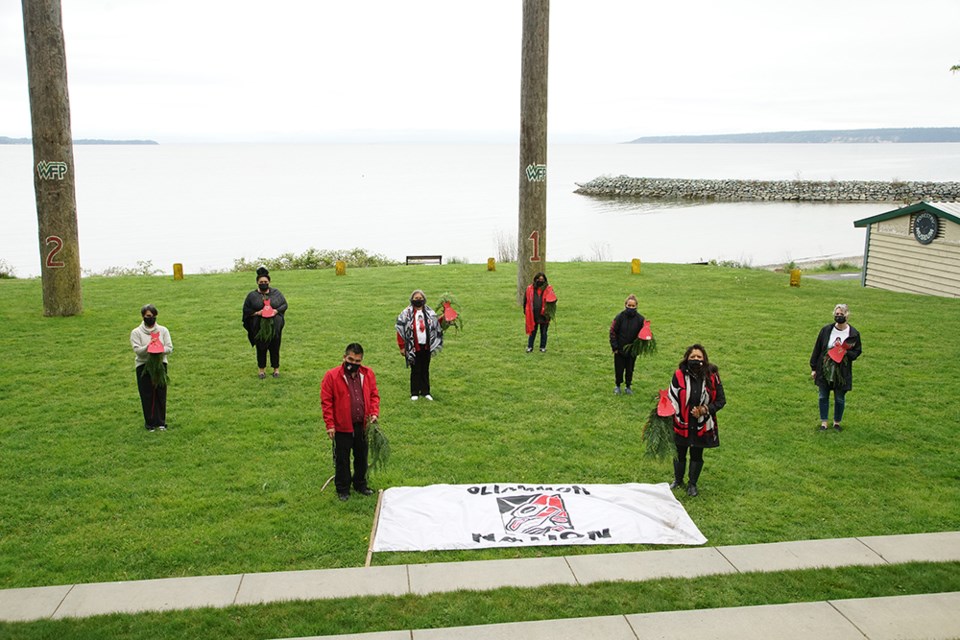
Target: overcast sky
383 70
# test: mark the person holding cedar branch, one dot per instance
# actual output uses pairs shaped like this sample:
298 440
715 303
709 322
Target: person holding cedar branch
263 311
831 364
623 332
696 394
151 344
539 308
351 404
420 337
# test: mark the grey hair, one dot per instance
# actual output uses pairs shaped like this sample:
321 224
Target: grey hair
844 308
415 292
148 307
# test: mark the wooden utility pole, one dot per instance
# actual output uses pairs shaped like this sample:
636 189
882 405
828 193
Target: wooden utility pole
53 176
532 237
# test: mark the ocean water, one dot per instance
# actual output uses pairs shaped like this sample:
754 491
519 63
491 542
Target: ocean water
206 205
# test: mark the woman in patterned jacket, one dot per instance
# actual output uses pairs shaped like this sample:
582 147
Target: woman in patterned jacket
696 394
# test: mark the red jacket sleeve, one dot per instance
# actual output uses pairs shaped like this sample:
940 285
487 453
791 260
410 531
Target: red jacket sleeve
326 400
374 408
400 341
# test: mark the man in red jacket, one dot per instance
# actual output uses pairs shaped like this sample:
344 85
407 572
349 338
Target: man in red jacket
350 403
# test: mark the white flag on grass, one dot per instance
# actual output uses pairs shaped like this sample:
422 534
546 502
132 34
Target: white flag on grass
462 516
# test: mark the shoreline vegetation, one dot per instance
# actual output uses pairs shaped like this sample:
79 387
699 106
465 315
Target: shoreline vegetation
683 189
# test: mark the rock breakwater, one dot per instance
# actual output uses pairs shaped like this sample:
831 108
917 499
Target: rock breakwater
770 190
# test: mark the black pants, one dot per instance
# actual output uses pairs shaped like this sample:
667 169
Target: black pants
623 365
543 336
274 348
343 444
153 399
420 373
680 464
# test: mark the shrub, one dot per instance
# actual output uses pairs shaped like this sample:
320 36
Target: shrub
314 259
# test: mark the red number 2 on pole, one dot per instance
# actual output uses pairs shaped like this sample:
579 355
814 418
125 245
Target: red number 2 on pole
57 243
535 236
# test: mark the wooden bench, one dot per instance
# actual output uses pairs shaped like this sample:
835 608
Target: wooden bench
424 259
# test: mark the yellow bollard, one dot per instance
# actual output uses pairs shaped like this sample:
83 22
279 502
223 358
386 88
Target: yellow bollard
177 271
491 264
341 268
635 266
795 277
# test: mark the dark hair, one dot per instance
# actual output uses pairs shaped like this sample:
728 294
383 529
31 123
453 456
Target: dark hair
540 274
148 307
354 347
263 273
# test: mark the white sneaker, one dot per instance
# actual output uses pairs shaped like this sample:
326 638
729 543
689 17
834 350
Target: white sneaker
429 397
414 398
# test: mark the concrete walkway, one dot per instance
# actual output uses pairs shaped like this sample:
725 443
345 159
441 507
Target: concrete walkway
930 617
167 594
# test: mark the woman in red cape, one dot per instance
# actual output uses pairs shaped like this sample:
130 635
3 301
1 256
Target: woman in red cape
537 304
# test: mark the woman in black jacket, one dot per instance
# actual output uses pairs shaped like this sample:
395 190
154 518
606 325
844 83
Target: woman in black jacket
623 331
254 307
831 364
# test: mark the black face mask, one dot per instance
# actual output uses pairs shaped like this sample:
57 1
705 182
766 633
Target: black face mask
263 286
839 319
149 321
417 303
630 312
350 367
539 284
695 366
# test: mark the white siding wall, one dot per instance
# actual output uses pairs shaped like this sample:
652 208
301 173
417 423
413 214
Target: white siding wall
896 261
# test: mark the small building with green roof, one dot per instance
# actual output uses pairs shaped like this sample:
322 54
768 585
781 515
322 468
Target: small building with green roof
914 249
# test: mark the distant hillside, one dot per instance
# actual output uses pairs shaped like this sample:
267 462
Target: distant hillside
929 134
5 140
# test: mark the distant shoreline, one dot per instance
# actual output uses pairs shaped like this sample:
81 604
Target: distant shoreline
854 136
6 140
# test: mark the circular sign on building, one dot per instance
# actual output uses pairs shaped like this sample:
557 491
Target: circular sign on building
925 227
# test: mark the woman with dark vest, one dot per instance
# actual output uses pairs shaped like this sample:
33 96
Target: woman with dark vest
623 331
265 303
831 364
696 394
419 337
535 301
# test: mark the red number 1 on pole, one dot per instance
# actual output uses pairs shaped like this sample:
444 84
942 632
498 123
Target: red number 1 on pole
535 236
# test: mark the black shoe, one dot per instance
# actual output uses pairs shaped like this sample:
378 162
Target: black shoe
343 496
365 492
692 490
676 484
836 426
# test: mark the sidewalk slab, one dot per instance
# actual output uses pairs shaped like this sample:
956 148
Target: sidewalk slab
932 616
322 584
800 554
479 575
649 565
806 620
916 547
605 627
31 603
165 594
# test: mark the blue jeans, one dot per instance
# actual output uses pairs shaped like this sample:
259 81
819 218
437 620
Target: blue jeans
839 401
543 336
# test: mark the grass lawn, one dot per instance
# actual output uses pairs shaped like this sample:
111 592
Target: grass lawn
234 485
